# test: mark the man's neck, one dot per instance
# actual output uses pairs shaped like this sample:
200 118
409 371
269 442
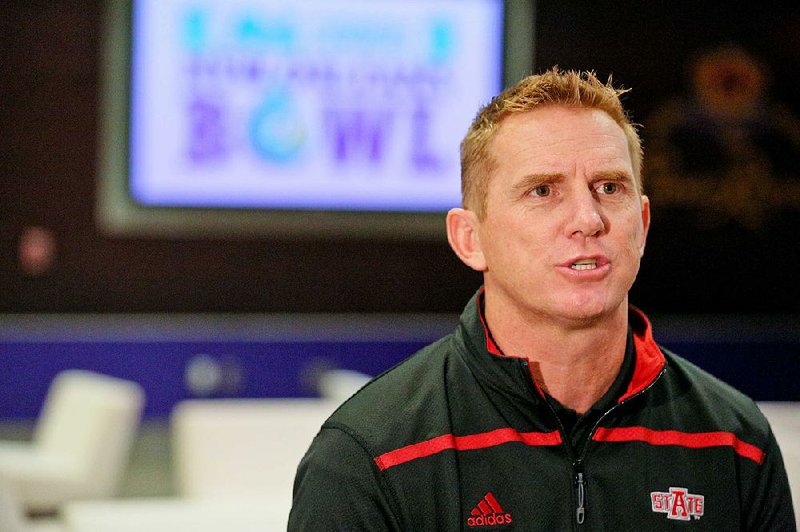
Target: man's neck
575 365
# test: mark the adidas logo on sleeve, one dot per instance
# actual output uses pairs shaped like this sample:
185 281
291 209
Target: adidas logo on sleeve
488 512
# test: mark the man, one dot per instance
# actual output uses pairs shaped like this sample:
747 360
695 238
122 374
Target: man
550 407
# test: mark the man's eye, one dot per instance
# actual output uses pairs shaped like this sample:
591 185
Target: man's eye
542 191
609 188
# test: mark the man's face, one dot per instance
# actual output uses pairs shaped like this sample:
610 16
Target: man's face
565 225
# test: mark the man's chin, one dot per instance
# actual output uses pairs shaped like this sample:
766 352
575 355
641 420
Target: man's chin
589 314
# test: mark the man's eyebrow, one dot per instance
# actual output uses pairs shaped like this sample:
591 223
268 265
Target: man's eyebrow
613 175
531 180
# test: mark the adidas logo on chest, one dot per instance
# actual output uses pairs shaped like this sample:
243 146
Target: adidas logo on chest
488 512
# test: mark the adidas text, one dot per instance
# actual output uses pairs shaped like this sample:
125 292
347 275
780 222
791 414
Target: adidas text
489 520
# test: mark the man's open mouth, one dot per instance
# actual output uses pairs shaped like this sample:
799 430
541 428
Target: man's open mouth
584 264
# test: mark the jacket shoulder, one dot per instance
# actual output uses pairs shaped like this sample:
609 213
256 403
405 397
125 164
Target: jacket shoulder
707 398
406 403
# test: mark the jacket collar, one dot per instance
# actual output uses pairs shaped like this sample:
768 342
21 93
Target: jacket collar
650 361
490 365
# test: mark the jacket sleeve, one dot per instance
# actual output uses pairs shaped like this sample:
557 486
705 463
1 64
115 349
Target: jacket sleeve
768 502
338 487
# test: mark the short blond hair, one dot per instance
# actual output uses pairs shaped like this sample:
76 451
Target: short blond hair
554 87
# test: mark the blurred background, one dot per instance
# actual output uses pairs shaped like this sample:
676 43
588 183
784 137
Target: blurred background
239 309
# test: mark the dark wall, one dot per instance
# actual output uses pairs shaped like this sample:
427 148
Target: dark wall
720 238
49 115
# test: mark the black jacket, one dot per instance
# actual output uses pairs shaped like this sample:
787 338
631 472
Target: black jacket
458 437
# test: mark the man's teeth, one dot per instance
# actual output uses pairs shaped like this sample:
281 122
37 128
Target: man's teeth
584 264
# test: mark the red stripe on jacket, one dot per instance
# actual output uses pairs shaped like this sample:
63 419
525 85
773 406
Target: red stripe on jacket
470 442
694 440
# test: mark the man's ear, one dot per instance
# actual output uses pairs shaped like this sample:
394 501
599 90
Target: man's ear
645 222
462 234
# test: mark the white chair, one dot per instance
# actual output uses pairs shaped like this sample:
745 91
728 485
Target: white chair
340 384
13 518
11 514
234 462
246 447
81 442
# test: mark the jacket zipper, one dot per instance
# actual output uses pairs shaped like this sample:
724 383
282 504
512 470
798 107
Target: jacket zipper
580 513
580 491
578 464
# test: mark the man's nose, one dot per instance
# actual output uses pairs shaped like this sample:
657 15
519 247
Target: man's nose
585 217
